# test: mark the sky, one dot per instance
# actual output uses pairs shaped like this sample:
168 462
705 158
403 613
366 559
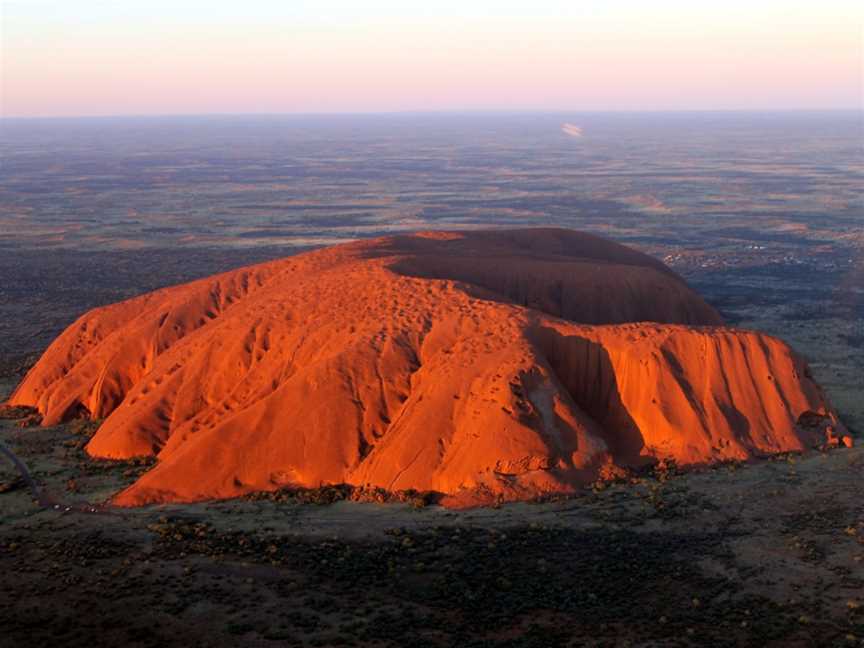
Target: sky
161 57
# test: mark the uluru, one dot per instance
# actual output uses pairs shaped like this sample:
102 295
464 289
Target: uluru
511 363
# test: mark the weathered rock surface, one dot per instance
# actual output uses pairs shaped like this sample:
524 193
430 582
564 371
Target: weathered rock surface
508 363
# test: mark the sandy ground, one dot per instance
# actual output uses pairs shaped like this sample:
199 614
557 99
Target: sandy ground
763 554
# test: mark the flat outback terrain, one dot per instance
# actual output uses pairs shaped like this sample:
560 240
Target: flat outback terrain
761 554
760 214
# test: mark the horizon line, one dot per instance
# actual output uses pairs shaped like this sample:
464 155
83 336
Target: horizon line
446 112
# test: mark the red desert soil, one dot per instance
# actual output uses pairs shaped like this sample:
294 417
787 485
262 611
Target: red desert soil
502 364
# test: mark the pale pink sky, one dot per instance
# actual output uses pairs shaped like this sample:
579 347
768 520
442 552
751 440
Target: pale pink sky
100 57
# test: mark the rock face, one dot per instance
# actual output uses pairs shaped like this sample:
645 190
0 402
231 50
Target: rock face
508 363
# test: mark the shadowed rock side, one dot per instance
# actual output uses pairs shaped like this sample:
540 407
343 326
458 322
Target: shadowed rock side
577 276
403 363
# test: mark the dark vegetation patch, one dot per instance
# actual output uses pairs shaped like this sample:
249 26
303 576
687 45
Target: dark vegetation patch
189 579
331 494
524 586
854 340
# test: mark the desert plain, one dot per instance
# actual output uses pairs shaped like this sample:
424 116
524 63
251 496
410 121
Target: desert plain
765 552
